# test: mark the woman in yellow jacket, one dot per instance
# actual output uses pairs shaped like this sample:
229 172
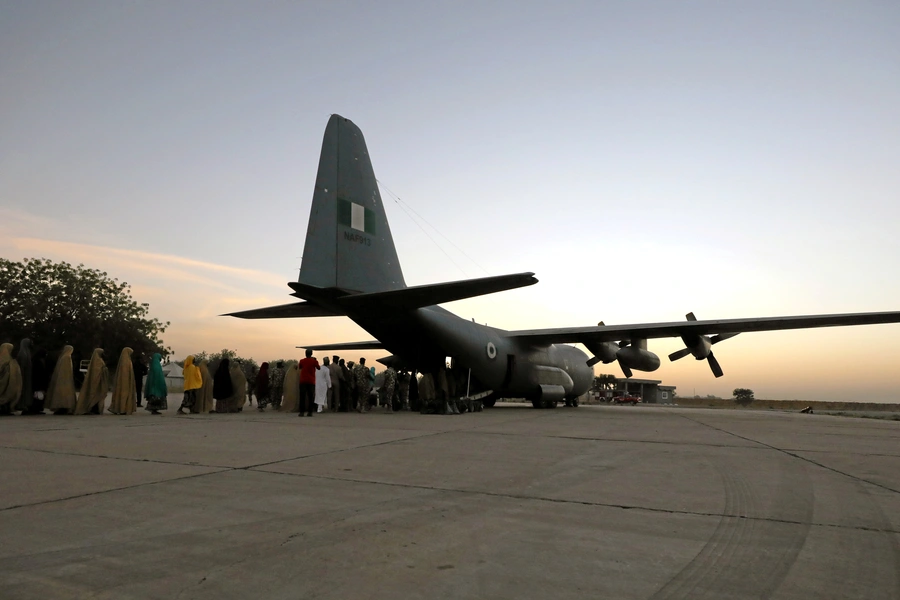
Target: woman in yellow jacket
192 382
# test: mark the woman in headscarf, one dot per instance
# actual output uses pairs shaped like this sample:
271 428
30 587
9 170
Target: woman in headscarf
26 397
10 380
204 402
155 391
222 387
124 397
193 381
291 390
239 384
92 396
61 391
262 387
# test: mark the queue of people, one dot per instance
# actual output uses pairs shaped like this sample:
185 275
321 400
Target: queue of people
30 386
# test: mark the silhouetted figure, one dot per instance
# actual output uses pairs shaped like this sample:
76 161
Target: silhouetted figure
40 381
262 387
26 397
222 387
139 365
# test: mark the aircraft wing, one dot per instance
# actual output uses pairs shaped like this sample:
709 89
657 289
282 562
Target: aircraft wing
369 345
615 333
284 311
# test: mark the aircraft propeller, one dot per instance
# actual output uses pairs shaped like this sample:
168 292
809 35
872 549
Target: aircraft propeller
700 347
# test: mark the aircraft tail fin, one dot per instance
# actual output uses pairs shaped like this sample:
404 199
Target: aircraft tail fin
348 240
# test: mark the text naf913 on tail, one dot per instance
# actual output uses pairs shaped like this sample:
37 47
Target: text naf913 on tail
350 268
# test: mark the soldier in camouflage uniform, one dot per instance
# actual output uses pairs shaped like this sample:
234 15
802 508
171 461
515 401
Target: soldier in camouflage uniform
361 383
387 389
276 384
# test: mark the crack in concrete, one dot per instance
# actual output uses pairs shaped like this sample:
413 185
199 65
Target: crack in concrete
98 492
509 496
219 468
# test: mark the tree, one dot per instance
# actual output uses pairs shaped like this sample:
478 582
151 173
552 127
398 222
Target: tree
56 304
248 365
603 382
742 396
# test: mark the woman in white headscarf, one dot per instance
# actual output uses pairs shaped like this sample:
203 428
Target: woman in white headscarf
60 396
92 396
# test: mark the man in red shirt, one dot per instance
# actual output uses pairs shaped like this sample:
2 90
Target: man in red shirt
308 367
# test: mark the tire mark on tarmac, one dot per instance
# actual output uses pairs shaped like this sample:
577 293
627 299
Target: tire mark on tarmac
734 557
797 456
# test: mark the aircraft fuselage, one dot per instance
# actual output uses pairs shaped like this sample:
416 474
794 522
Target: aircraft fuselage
424 338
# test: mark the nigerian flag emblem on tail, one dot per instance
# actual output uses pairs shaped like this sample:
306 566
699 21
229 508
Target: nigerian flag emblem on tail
356 216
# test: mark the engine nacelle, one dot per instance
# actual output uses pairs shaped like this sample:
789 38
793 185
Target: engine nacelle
637 358
604 352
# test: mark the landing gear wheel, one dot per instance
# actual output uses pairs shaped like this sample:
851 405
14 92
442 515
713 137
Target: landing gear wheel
489 402
575 402
536 404
568 403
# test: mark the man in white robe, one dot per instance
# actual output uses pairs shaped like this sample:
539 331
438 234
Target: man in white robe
323 383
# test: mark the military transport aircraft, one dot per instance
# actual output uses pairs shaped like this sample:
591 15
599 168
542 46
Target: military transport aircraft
350 268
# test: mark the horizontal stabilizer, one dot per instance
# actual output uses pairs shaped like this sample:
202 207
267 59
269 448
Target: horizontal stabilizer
438 293
285 311
370 345
396 363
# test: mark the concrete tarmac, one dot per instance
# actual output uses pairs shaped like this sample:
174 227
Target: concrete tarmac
590 502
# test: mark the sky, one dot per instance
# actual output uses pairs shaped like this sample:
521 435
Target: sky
644 159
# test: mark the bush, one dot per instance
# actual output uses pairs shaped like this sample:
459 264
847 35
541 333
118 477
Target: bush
743 396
